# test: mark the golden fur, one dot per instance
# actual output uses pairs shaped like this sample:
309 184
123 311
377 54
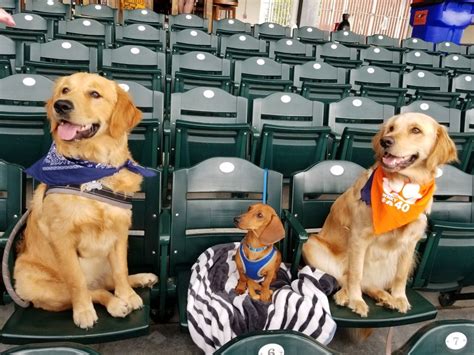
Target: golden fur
347 248
75 249
264 228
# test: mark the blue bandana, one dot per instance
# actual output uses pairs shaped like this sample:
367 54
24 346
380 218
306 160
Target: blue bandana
55 169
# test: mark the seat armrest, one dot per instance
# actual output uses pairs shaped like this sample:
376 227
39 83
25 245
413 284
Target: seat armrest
294 225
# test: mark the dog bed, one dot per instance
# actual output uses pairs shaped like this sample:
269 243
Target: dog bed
216 314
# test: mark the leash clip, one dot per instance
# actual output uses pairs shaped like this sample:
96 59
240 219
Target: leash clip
92 185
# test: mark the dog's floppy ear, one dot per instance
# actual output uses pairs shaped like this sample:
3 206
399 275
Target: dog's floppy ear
125 115
444 150
273 232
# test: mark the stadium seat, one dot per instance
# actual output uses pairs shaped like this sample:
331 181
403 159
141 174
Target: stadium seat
7 56
102 13
311 35
464 85
447 47
424 85
229 27
9 6
313 192
379 40
349 39
289 341
135 63
416 44
24 130
186 21
269 31
142 35
63 349
242 46
355 120
418 59
378 84
317 80
145 142
59 57
189 40
291 51
465 143
143 17
383 58
205 200
27 325
291 134
52 11
457 64
204 123
449 117
446 261
338 55
441 337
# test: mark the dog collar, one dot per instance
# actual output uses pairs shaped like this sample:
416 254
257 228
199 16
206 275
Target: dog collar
256 250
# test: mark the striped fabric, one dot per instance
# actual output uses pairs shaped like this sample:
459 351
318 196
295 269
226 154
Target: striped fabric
216 314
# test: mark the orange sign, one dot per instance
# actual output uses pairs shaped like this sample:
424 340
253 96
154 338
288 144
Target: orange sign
420 17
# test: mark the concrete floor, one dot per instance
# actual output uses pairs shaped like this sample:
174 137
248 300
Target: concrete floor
167 338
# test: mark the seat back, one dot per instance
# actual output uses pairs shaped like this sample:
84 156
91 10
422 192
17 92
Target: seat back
450 48
311 35
59 57
22 114
260 68
101 13
357 112
270 31
7 56
449 117
145 139
416 44
89 32
422 79
419 58
9 6
380 40
144 17
141 34
207 197
289 341
186 21
374 55
335 50
12 196
374 76
456 61
49 9
291 51
318 71
28 28
229 27
347 37
463 83
242 46
191 39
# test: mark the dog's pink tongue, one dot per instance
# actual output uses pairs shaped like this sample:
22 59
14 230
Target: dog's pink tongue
67 131
391 160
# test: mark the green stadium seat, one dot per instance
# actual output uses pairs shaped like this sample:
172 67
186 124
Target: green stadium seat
441 337
418 59
143 17
145 140
464 85
186 21
383 58
424 85
142 35
291 134
204 123
24 130
63 349
465 143
101 13
27 325
135 63
449 117
270 31
313 192
289 341
338 55
7 56
447 47
52 10
457 64
470 51
229 27
9 6
59 57
206 198
242 46
191 39
378 84
349 39
291 51
319 81
311 35
379 40
355 120
416 44
446 261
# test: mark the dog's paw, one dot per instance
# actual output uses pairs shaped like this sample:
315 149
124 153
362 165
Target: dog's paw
341 298
146 279
401 304
359 306
133 301
85 318
241 288
266 295
118 308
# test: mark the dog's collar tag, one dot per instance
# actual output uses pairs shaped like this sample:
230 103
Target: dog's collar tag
256 250
93 185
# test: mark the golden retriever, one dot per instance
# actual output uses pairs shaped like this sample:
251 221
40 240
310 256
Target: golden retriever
74 250
409 148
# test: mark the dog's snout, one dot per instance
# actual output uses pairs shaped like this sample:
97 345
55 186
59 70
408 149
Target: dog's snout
236 220
387 142
63 106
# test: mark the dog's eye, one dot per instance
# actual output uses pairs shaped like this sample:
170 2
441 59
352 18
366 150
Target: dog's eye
391 128
260 215
65 91
415 130
95 94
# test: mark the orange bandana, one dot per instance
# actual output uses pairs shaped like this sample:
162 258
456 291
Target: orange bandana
395 204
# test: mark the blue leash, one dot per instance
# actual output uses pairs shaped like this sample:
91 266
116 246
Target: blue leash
265 184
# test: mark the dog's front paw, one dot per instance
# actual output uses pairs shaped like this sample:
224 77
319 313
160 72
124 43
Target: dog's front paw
266 295
85 317
241 288
118 308
401 304
133 301
146 279
341 298
359 306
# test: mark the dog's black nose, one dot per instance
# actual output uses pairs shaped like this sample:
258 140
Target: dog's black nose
236 220
387 142
63 106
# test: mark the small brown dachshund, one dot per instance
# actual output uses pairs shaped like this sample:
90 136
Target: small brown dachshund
257 259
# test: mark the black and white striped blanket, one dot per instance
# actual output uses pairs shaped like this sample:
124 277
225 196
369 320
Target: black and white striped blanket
216 314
